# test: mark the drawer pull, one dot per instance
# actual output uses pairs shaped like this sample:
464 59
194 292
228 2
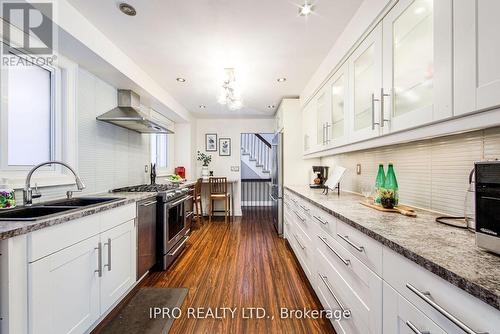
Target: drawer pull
298 241
99 259
346 262
346 239
415 329
304 208
446 314
346 311
320 220
298 216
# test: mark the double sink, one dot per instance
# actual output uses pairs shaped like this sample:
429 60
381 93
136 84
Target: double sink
52 208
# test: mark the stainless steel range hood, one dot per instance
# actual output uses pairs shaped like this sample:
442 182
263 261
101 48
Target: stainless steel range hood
129 116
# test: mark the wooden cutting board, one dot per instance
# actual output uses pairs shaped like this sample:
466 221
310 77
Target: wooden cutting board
402 209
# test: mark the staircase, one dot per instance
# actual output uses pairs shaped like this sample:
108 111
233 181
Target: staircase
256 153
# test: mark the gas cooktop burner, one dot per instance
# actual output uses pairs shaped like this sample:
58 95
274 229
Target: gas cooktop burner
147 188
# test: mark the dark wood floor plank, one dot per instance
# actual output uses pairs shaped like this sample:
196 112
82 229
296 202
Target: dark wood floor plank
241 264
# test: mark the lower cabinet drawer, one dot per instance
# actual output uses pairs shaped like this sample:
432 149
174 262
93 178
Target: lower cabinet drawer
304 251
359 291
366 249
451 308
400 316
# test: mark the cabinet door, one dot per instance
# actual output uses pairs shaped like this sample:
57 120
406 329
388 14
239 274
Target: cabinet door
401 317
477 50
323 119
309 127
337 126
64 290
417 64
365 68
119 263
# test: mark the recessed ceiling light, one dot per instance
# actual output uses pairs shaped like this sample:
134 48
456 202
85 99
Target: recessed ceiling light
271 106
306 9
281 79
180 80
127 9
202 106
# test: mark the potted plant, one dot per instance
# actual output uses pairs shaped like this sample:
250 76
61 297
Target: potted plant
205 159
387 198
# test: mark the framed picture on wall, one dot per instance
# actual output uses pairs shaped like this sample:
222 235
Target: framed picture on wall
224 147
211 142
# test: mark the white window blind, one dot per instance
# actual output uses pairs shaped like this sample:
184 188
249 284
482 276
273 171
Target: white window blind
159 150
29 115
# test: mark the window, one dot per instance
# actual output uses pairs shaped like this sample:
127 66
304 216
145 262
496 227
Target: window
37 119
159 151
30 115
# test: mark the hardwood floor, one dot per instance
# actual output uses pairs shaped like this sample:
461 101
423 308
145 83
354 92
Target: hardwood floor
239 265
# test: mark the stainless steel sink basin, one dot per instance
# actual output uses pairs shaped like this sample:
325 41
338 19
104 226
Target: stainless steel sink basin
32 212
80 201
52 208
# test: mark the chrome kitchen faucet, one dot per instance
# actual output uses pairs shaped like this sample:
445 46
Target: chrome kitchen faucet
28 192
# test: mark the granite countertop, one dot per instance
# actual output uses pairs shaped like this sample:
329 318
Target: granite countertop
446 251
9 229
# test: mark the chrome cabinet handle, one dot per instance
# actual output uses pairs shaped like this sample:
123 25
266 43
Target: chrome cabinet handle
148 203
346 262
346 239
298 216
320 220
304 208
373 111
174 252
298 241
346 311
327 135
415 329
109 254
437 307
99 260
382 118
324 133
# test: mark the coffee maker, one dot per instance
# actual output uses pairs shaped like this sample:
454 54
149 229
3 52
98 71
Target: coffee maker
320 175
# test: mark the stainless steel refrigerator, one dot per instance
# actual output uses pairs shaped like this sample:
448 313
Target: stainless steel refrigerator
277 182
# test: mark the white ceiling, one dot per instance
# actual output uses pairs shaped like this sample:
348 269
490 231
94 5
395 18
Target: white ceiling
196 39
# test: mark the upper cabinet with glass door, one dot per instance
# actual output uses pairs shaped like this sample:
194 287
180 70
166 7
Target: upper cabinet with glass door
477 52
336 130
417 53
365 69
323 117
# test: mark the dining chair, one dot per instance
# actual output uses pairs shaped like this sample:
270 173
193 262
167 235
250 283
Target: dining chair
197 200
218 192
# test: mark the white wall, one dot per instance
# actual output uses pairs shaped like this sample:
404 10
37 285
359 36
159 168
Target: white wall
432 174
228 128
185 148
108 156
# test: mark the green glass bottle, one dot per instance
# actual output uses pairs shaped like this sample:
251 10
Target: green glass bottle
379 182
391 183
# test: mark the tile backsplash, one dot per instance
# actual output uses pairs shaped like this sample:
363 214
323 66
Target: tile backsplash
432 174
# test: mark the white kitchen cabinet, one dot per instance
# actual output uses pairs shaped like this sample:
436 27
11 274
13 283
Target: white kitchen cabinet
309 128
75 278
278 119
365 70
337 129
476 53
64 290
401 317
323 117
118 270
417 55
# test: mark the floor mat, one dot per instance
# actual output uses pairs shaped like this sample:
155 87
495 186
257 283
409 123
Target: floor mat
138 316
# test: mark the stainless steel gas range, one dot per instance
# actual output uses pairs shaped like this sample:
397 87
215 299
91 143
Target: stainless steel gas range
172 230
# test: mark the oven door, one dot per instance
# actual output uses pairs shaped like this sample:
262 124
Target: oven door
175 222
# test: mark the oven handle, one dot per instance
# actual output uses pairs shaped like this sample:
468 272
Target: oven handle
173 253
177 202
